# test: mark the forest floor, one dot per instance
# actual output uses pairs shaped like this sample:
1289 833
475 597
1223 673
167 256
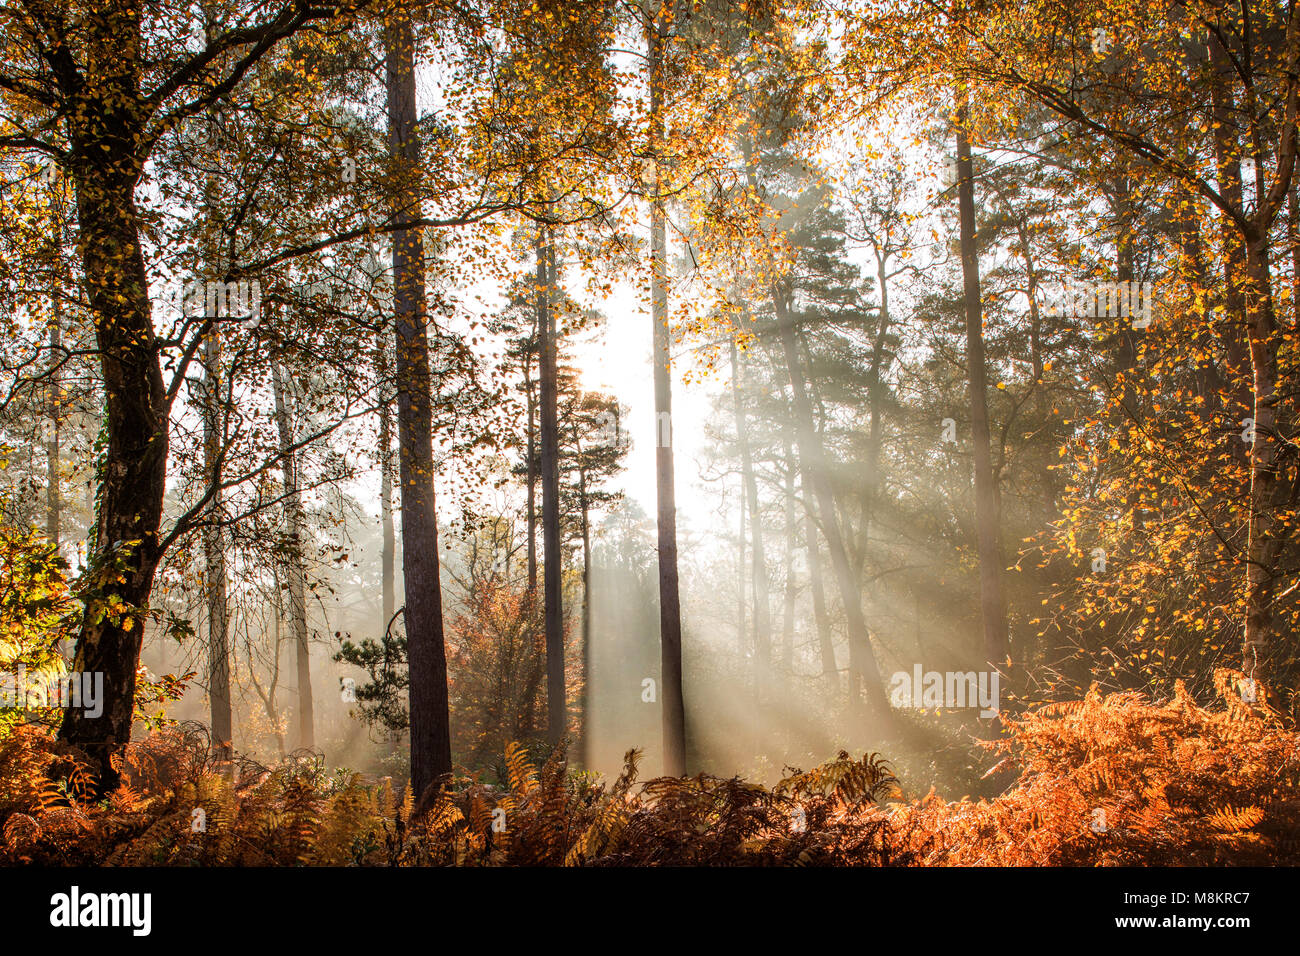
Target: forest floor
1109 780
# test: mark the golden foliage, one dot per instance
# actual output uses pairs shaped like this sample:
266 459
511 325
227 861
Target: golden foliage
1109 780
1116 780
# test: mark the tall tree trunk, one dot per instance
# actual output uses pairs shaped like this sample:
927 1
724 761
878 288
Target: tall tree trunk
386 487
268 694
133 475
531 474
430 722
742 614
1227 159
105 126
986 505
1024 246
585 514
825 643
272 709
556 703
1261 647
875 398
53 495
670 616
791 592
295 567
214 551
1272 409
1126 349
742 617
762 612
812 457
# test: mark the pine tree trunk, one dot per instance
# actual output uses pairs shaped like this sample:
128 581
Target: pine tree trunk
742 613
295 567
556 700
986 506
386 488
812 457
825 643
670 618
214 553
762 612
53 496
531 475
585 707
791 592
430 726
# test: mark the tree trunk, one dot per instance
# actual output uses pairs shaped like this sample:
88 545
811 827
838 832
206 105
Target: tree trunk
295 568
272 709
125 548
1227 159
812 456
830 669
791 592
1261 650
556 702
531 474
762 612
1272 412
742 614
386 487
670 617
875 398
430 724
986 504
585 515
53 496
214 553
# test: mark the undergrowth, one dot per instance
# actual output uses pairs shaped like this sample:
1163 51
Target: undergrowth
1109 780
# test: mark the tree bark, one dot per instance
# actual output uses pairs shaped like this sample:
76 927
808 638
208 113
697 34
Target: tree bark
825 643
585 516
986 505
812 457
762 611
787 615
295 567
670 618
430 723
531 474
133 474
1227 159
386 488
556 702
1261 650
214 553
53 495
